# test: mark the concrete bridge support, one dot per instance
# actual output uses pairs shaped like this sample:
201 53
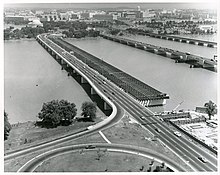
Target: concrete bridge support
83 80
93 92
191 42
200 44
210 45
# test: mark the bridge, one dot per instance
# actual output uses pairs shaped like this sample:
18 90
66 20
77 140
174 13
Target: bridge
117 101
179 57
142 92
181 39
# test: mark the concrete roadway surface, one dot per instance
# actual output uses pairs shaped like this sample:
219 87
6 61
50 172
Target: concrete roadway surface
182 147
32 165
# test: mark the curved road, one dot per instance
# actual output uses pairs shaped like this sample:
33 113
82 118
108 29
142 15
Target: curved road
31 165
184 148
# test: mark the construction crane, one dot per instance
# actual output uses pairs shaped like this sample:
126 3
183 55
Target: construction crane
174 110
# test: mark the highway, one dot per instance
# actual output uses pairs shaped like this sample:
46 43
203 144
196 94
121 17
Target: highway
34 163
184 148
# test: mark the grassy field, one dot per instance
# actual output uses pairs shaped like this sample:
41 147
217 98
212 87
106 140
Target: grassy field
96 161
127 131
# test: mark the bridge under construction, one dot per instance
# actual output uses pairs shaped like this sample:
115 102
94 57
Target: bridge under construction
145 94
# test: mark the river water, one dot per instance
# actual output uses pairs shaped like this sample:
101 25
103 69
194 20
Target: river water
193 86
32 77
191 48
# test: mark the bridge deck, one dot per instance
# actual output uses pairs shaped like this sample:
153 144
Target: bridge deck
136 88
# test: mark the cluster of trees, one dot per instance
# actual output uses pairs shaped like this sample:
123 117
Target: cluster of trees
7 126
71 33
72 29
62 113
24 32
211 109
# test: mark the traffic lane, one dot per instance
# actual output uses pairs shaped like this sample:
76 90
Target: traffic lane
212 158
174 142
31 165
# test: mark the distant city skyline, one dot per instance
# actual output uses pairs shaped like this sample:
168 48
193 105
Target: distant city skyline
143 5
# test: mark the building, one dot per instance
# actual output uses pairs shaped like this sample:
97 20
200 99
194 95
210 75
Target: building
35 23
64 16
85 15
103 17
49 17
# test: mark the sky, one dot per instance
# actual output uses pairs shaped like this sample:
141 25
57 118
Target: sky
143 4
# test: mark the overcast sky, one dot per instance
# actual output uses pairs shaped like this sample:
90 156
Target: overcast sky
169 5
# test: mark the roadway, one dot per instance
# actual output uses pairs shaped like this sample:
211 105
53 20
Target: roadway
184 148
33 164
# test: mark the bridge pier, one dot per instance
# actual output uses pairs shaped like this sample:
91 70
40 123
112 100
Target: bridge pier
191 42
170 38
149 49
210 45
200 44
83 80
160 52
177 39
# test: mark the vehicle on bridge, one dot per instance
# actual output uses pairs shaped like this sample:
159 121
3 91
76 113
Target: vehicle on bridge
158 130
90 147
177 133
203 159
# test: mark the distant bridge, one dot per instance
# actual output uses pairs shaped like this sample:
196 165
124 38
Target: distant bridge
181 39
179 57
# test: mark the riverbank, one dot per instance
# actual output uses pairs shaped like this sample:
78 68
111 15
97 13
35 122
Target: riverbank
26 134
21 39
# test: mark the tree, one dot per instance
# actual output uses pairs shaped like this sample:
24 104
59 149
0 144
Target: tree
7 126
89 110
56 113
211 109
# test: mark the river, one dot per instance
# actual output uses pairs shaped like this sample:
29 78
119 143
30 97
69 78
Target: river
32 77
193 86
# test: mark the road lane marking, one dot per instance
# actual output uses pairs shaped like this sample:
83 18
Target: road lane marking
103 136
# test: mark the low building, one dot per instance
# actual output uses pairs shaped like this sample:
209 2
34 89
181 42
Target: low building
103 17
35 23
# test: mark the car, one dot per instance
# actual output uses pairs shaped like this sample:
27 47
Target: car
113 93
203 159
177 133
90 147
158 130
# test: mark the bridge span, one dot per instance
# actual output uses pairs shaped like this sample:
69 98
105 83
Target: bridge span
142 92
179 57
181 39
